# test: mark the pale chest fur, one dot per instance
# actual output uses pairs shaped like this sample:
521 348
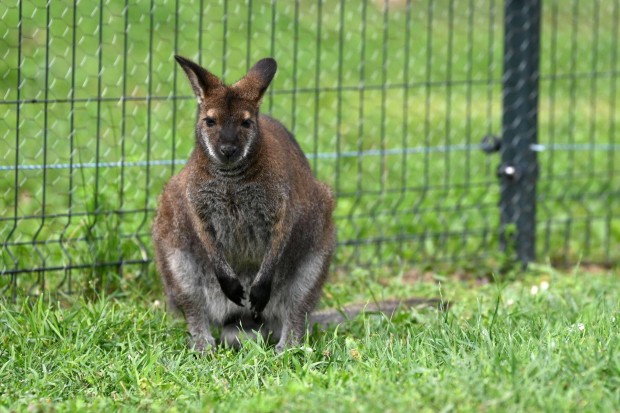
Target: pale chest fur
239 217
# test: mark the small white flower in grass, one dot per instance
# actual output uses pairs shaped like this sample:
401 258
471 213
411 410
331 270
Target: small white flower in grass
544 286
577 327
534 290
156 303
510 302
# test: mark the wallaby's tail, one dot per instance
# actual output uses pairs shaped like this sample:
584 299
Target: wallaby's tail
329 317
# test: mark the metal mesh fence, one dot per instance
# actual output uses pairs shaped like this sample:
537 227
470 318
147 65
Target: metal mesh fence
390 100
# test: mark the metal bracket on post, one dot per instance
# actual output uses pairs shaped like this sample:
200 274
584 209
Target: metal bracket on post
518 171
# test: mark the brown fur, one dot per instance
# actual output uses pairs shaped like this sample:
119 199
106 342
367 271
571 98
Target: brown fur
243 234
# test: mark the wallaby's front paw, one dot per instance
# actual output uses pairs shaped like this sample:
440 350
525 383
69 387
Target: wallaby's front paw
233 289
259 297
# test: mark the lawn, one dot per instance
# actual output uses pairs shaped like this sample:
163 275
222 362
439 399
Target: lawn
390 105
546 342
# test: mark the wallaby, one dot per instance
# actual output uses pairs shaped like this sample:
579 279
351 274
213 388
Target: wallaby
244 233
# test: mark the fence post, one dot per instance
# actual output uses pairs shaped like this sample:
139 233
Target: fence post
518 170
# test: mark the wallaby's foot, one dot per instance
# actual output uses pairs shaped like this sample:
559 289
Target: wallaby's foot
290 337
286 344
280 347
202 344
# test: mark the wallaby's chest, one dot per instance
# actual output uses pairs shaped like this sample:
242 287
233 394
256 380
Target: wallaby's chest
240 217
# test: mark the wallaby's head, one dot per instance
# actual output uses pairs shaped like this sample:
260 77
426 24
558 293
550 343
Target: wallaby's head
227 123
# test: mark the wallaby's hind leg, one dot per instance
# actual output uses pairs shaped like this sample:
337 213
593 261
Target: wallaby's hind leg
301 298
185 290
198 325
293 330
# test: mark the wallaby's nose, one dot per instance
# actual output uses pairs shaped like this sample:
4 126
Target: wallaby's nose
228 150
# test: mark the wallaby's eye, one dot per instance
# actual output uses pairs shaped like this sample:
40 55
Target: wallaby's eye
246 123
210 121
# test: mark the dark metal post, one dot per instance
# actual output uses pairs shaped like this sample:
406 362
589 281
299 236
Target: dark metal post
518 171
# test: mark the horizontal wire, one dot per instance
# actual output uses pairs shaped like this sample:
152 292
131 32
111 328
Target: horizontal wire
323 155
74 266
332 89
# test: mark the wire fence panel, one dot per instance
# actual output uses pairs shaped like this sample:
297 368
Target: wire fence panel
390 100
579 186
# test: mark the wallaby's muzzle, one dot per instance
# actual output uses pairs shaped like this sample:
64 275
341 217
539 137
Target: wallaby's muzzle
229 144
228 152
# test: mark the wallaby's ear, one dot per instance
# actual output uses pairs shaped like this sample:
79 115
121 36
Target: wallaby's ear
255 83
201 80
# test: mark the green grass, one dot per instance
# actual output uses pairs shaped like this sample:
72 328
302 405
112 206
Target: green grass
499 348
427 207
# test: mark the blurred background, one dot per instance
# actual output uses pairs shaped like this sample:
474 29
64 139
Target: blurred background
400 107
